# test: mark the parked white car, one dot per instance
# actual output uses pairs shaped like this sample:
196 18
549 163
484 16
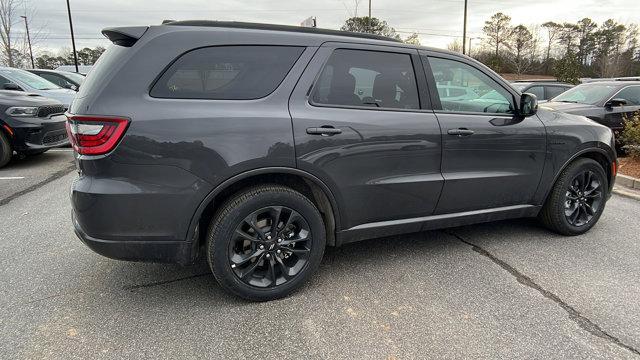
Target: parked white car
22 80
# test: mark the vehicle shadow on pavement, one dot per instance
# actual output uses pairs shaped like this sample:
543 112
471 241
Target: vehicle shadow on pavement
18 162
387 254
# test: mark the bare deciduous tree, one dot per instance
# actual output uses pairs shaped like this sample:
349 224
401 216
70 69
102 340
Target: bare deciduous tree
8 18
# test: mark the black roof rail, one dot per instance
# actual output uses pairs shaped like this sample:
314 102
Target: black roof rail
274 27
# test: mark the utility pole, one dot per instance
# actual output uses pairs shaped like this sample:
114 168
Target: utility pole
26 25
73 40
369 18
464 29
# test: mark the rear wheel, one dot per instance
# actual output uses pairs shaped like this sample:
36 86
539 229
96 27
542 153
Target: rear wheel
577 199
5 150
265 242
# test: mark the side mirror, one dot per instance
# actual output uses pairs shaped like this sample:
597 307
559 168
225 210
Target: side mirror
615 102
528 105
11 86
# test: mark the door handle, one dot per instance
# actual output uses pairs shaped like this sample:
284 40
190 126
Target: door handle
324 131
460 132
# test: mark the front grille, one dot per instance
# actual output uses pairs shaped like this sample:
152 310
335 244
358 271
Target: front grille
44 111
54 137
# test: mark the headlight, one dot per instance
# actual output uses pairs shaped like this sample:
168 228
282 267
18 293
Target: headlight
22 111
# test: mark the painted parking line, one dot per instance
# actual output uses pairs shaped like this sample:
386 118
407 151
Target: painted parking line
11 177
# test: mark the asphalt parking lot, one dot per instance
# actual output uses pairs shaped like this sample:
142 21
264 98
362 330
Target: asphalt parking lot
501 290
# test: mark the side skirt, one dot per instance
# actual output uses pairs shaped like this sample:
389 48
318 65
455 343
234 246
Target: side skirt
403 226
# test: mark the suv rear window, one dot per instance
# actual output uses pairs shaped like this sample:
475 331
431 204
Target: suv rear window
227 72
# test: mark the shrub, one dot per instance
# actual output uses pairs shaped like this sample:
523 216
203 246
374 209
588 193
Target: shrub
631 135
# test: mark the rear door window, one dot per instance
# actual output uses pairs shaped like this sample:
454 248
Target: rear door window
227 72
367 78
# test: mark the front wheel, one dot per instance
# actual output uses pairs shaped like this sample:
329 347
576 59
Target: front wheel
577 199
5 150
265 242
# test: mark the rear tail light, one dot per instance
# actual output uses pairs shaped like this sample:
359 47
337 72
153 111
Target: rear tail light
95 135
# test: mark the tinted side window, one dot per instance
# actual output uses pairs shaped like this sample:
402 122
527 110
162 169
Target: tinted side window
553 91
54 79
463 88
3 80
367 78
538 91
227 72
631 94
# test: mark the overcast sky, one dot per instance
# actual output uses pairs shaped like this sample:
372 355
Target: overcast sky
438 22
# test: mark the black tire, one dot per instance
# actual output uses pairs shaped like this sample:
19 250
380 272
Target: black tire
5 150
224 243
557 214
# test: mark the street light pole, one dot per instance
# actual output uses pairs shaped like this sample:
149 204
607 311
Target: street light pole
26 25
369 18
464 29
73 40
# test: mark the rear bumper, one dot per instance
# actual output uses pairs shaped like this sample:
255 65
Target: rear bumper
144 213
180 252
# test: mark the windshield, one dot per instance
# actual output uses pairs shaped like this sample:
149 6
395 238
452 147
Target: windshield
32 80
586 94
78 78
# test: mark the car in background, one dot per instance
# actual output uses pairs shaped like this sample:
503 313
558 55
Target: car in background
22 80
82 69
606 102
64 79
30 124
543 90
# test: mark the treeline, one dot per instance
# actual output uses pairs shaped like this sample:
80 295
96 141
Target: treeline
86 56
567 51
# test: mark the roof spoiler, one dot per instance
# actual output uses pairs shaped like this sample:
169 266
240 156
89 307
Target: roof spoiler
124 36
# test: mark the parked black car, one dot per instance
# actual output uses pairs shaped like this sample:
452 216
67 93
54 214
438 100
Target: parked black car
29 124
64 79
606 102
543 90
259 145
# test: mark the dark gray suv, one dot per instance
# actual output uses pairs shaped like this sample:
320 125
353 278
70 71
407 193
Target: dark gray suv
259 145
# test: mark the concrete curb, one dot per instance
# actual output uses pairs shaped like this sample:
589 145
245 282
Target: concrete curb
628 181
627 186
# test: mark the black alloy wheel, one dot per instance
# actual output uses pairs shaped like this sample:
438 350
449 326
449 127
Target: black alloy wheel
265 242
577 198
583 198
270 247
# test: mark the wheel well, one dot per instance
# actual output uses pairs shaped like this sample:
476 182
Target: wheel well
299 183
602 160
